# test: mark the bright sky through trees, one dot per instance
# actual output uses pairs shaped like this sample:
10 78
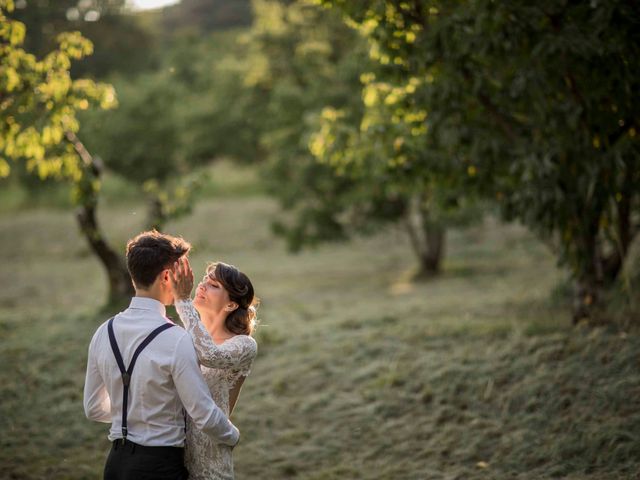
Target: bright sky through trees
149 4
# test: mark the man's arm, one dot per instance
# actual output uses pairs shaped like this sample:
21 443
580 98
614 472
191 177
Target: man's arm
97 404
196 398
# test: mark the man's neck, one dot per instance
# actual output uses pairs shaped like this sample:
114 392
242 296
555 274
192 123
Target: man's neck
149 294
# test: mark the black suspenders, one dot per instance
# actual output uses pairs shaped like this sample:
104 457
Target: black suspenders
126 373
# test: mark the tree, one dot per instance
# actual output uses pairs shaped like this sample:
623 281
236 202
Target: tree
328 152
139 141
39 103
381 148
296 62
546 101
172 120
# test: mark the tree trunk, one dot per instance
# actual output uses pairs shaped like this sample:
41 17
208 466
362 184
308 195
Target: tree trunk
156 217
586 295
120 286
612 265
600 269
588 266
431 258
427 238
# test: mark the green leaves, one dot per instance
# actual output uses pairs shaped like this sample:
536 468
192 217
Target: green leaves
536 104
74 45
39 101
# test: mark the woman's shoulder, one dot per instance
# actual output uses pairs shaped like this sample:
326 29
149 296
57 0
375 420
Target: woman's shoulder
246 341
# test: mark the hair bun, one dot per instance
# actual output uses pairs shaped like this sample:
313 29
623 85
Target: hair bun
237 284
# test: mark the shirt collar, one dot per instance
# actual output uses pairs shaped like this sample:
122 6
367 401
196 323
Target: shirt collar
145 303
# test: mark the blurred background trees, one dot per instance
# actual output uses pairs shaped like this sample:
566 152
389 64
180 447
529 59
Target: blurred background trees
206 16
360 115
418 117
540 102
40 103
112 30
328 154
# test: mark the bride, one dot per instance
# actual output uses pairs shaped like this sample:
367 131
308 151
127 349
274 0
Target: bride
220 319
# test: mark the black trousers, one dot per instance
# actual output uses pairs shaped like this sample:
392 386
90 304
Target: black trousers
136 462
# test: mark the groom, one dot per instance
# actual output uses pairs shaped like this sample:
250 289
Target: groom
146 404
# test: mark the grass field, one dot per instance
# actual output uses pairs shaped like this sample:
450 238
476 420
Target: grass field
361 373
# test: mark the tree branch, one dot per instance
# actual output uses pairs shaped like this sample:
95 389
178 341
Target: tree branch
504 121
88 160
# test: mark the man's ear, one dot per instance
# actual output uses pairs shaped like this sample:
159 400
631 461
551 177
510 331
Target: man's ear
165 276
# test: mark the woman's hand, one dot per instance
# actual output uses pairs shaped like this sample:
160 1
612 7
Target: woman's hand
181 279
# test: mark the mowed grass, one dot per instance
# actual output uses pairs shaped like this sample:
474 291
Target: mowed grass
361 373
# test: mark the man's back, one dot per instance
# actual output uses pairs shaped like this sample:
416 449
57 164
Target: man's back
166 377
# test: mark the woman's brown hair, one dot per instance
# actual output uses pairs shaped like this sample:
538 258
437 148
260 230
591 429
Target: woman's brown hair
241 321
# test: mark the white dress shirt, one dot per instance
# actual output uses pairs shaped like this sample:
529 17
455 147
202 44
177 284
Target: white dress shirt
165 379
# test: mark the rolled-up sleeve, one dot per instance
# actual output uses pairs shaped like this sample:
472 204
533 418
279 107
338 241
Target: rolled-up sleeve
196 398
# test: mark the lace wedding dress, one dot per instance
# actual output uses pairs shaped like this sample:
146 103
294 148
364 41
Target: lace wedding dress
221 365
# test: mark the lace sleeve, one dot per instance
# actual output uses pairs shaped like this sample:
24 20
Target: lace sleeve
187 313
236 353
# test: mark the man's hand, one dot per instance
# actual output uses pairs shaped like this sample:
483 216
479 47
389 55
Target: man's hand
181 279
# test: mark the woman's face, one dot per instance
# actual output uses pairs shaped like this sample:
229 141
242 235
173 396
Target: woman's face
211 295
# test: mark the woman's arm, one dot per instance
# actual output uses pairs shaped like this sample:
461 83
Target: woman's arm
237 353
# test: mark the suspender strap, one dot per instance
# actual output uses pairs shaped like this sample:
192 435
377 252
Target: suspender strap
126 373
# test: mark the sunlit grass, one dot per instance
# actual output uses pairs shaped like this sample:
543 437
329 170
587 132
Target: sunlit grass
361 372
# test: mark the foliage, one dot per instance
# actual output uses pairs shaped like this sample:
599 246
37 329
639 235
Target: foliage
103 22
217 117
327 142
387 147
540 102
171 120
206 15
138 140
39 103
306 66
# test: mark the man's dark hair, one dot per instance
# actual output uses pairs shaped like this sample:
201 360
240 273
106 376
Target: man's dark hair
151 252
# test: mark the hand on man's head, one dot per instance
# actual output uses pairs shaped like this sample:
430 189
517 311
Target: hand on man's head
181 279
